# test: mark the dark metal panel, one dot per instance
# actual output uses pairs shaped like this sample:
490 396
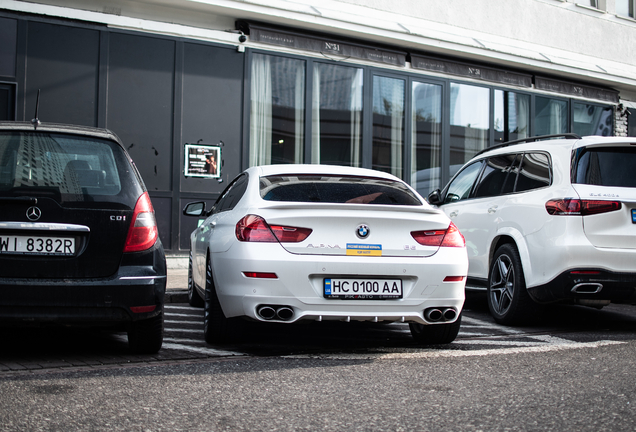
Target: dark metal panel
8 46
212 109
62 62
140 103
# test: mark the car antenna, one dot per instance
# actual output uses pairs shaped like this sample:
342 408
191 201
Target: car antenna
36 121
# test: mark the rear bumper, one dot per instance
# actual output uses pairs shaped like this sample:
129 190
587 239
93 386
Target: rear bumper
583 285
106 301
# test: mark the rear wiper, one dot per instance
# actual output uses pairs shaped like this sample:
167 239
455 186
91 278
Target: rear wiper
22 199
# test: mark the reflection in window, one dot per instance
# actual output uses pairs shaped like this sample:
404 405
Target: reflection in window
551 116
337 115
461 186
426 137
469 122
277 110
592 120
535 172
388 125
512 116
497 173
626 8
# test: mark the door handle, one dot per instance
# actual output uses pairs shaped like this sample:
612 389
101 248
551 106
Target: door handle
453 214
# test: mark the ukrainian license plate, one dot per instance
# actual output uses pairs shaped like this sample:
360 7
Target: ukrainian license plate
362 289
37 245
634 216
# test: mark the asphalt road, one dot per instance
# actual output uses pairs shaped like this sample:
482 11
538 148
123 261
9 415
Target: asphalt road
574 372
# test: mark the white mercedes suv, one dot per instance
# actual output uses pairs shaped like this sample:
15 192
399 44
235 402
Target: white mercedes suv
548 219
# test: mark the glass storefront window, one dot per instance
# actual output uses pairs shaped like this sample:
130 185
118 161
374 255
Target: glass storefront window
592 120
388 125
512 116
426 113
469 122
336 115
277 110
550 116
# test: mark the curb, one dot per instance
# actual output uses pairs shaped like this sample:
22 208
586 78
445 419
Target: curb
176 296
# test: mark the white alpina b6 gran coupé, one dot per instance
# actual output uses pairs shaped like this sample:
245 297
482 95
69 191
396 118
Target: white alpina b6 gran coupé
285 243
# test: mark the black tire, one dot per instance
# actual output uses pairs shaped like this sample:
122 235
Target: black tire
194 299
508 298
216 326
146 336
435 334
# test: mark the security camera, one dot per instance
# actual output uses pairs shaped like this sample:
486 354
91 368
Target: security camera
242 38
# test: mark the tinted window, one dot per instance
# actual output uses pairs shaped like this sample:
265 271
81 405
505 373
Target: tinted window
494 176
336 189
232 194
68 168
606 166
462 184
534 173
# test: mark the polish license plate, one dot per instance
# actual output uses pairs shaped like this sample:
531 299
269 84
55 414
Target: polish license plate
37 245
634 216
362 289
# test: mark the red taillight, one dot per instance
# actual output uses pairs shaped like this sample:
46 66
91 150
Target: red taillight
253 228
450 237
142 233
577 207
260 275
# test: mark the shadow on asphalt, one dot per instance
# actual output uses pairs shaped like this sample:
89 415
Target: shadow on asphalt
268 339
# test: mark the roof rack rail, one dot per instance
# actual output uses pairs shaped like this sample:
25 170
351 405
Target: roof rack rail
530 139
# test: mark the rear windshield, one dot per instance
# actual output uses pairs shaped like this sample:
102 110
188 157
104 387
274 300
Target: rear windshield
67 168
336 189
605 166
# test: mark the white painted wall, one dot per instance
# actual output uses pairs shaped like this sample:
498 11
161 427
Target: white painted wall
555 37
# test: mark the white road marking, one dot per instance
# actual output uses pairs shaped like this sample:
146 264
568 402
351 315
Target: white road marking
177 329
181 322
170 314
167 306
207 351
431 353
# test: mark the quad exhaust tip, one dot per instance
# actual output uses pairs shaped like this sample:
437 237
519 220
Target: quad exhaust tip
281 313
440 314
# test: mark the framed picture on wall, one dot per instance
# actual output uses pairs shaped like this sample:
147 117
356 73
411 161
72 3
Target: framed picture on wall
202 160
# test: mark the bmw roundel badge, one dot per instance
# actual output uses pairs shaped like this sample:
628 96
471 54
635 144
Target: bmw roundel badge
362 231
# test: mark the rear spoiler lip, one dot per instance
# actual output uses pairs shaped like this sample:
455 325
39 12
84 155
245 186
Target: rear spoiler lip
277 205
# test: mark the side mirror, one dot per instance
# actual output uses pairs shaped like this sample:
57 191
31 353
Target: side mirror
435 197
194 209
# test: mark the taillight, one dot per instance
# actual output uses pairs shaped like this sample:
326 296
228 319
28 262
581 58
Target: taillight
254 228
142 233
450 237
578 207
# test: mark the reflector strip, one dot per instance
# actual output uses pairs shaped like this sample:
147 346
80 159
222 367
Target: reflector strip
454 278
260 275
142 309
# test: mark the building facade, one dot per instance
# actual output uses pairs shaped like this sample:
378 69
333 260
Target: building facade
410 87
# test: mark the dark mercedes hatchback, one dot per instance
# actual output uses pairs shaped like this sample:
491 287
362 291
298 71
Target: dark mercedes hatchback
78 237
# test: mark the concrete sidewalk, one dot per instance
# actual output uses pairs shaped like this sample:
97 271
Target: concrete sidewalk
177 286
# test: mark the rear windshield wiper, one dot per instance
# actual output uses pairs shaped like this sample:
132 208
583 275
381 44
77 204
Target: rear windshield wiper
22 199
